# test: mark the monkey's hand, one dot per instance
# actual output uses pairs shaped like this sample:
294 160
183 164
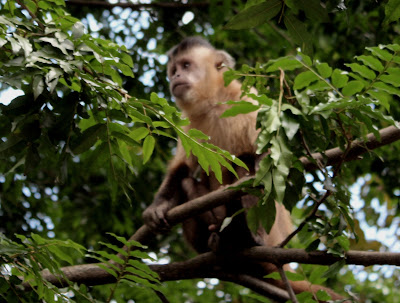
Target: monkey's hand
154 215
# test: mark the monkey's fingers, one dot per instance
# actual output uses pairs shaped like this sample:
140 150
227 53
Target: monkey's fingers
161 221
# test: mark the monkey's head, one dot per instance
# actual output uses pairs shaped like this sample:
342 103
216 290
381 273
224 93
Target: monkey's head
195 71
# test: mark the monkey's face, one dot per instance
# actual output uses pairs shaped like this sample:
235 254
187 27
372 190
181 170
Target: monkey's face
190 75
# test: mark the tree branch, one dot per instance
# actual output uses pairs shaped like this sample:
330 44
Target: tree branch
282 256
194 207
206 265
358 147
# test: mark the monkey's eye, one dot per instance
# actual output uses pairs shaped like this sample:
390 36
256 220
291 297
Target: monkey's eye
186 64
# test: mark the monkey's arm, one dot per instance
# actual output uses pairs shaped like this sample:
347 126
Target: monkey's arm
169 194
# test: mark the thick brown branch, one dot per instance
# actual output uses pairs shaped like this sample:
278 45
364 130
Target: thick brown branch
207 265
202 266
194 207
387 135
138 6
282 256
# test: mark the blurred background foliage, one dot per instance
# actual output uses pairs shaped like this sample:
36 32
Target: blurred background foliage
74 197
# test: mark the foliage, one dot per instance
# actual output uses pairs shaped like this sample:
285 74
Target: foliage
22 264
86 143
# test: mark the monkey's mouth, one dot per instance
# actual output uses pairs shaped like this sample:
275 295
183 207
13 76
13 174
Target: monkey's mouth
179 85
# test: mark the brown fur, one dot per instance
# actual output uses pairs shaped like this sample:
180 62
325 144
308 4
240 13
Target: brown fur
195 71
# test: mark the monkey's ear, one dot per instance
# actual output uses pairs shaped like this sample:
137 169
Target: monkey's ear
224 59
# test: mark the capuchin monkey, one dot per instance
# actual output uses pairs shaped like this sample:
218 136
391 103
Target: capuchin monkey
195 72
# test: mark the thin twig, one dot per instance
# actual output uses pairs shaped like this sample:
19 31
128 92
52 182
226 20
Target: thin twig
308 218
287 284
34 17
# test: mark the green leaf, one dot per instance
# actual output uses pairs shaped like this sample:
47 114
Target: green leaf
268 210
115 248
313 9
324 69
262 99
372 62
291 126
143 267
239 107
381 96
391 79
304 79
294 110
88 138
334 269
339 78
285 63
263 174
343 242
292 276
111 257
60 254
380 53
387 88
23 42
323 296
393 47
107 269
142 118
352 88
275 275
230 75
11 141
255 15
195 133
148 148
299 33
139 133
362 70
127 59
392 11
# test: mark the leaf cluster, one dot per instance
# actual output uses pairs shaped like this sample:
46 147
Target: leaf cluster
302 99
23 261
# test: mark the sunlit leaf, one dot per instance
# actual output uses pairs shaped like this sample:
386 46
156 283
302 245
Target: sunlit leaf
362 70
339 78
352 88
304 79
372 62
239 107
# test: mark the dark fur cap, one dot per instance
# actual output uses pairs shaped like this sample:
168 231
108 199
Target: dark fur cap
187 44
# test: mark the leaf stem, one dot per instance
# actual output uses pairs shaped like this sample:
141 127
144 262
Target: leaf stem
41 25
320 77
